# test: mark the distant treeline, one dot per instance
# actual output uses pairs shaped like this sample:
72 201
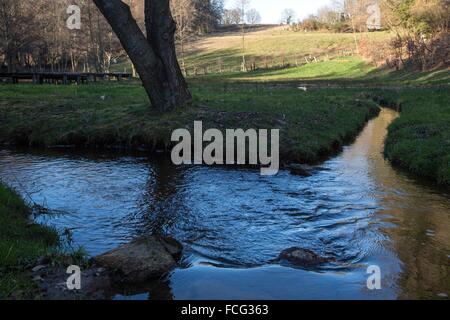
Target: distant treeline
34 34
421 28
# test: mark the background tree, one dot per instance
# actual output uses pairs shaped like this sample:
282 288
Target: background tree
184 13
422 32
287 16
253 17
232 16
242 7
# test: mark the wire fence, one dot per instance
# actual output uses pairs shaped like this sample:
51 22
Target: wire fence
269 62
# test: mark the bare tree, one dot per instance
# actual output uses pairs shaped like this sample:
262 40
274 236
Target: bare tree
232 16
327 15
253 16
17 41
242 7
184 13
153 55
287 16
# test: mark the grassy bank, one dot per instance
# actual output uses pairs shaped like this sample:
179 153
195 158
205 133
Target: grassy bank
419 140
21 243
313 124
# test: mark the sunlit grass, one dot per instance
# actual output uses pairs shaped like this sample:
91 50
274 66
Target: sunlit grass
420 139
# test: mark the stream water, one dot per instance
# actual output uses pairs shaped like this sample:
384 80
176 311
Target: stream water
356 209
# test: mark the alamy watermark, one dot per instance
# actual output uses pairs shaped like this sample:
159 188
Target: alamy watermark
74 20
74 280
230 150
374 280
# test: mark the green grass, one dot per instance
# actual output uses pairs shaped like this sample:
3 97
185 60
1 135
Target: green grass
351 70
313 124
269 46
419 140
334 69
317 123
21 243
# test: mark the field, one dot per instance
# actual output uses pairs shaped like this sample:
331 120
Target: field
271 43
266 46
340 71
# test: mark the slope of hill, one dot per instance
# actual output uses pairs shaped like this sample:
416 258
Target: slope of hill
269 46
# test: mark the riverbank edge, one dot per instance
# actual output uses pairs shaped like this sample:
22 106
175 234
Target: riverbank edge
160 143
429 164
27 247
22 243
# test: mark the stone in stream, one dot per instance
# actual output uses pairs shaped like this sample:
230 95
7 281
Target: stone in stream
141 260
302 257
301 169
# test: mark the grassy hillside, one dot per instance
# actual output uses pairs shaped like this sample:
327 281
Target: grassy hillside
273 47
342 70
267 46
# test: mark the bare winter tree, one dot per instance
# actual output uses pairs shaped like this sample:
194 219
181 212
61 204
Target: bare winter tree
242 7
253 16
16 40
153 55
184 13
232 16
288 16
327 15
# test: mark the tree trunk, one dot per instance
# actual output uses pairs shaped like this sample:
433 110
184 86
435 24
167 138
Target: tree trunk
161 28
155 58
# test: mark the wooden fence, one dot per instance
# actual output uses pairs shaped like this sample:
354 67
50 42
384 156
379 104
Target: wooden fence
60 77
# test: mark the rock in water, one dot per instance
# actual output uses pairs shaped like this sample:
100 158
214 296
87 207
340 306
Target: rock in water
302 257
141 260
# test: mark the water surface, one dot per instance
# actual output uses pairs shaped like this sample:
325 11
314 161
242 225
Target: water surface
356 209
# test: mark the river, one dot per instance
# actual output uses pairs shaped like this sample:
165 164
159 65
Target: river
356 209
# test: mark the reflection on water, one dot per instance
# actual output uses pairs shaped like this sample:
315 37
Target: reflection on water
356 209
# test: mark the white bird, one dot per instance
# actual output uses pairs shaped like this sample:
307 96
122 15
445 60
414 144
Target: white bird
303 88
103 98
